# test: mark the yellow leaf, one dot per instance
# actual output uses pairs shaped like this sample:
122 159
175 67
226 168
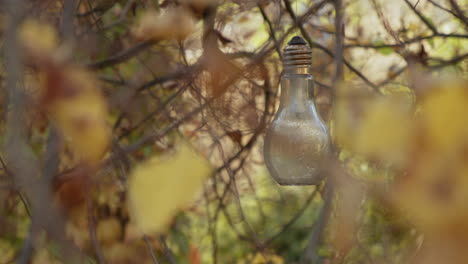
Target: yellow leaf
159 187
264 258
109 230
175 23
344 126
43 256
444 116
7 251
121 253
385 132
434 195
80 113
39 39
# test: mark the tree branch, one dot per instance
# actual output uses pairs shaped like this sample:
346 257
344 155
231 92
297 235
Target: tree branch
150 249
314 44
122 56
310 254
422 17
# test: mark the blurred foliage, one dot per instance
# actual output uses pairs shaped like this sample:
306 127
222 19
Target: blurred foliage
147 120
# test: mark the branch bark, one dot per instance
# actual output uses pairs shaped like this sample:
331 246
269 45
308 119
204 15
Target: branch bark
20 158
310 254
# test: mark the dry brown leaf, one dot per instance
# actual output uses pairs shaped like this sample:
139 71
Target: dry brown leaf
76 106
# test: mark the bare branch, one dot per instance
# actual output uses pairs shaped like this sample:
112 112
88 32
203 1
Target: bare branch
422 17
150 249
272 30
122 56
19 156
339 32
460 13
314 44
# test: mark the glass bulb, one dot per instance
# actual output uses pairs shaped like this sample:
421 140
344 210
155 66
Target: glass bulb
297 141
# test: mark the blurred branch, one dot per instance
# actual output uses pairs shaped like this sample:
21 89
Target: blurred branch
167 250
162 106
227 162
66 28
101 7
310 254
272 30
150 249
154 137
19 156
17 190
51 156
444 8
122 56
92 231
232 78
339 32
27 249
460 13
22 164
188 72
298 21
452 61
383 20
393 76
406 42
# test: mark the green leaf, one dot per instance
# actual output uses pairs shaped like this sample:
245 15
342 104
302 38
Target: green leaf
385 50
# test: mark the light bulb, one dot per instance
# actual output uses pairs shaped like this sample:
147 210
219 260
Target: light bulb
297 141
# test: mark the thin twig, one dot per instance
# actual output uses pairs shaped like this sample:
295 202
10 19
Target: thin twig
122 56
327 51
92 231
150 249
422 17
339 31
272 30
294 218
460 13
66 28
167 250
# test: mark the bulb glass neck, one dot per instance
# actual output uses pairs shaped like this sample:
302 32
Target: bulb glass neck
297 57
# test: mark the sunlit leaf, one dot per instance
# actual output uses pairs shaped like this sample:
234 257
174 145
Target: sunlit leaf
79 111
386 132
172 24
443 117
109 230
160 187
383 50
433 194
7 252
265 259
39 39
